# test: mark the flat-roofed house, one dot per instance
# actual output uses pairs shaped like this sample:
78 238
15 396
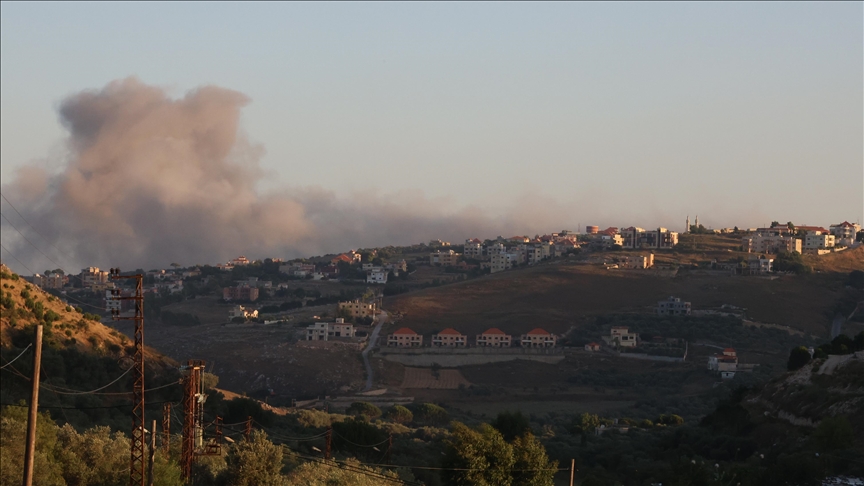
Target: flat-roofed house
495 338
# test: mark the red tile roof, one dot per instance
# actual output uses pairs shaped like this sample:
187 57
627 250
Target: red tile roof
342 258
475 240
811 228
405 331
593 344
493 330
844 224
450 331
537 332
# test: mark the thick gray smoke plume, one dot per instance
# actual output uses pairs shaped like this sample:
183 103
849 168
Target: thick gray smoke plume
151 180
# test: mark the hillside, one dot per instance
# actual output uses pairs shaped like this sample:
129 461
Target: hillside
65 327
559 295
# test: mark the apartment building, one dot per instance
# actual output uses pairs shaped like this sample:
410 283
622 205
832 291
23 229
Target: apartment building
845 233
495 338
818 240
92 276
760 265
473 249
637 261
358 309
376 276
499 262
50 280
661 238
771 243
240 293
325 331
444 258
673 306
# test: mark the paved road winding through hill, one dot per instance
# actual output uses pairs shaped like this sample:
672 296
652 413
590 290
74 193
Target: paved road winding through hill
373 339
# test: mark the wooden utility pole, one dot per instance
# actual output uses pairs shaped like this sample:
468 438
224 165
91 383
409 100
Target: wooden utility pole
329 442
572 470
152 454
30 451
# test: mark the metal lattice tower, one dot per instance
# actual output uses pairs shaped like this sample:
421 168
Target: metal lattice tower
192 408
137 460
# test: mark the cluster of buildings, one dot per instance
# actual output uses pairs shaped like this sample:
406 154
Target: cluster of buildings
451 338
802 239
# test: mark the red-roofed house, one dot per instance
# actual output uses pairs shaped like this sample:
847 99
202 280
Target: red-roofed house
450 338
405 338
811 229
726 364
342 258
495 338
538 338
592 347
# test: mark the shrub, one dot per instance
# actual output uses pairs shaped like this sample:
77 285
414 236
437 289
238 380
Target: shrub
798 357
364 409
399 414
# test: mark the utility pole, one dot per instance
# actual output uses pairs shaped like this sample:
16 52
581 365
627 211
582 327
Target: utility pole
166 428
389 448
136 456
572 470
247 431
30 451
192 407
152 454
329 441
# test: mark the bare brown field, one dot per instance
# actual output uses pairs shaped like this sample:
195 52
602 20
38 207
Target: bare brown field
252 358
844 261
557 296
447 379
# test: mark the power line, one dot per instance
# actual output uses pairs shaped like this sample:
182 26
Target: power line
82 408
54 388
28 241
31 271
350 467
359 445
16 357
32 227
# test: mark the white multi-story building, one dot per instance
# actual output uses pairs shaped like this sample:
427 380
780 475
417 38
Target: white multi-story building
376 276
673 306
505 261
621 336
845 233
770 243
473 249
818 241
92 276
324 331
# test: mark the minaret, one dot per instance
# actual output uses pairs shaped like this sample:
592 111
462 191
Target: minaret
697 221
687 228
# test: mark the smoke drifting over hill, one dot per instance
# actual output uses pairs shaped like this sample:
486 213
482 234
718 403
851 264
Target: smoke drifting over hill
151 180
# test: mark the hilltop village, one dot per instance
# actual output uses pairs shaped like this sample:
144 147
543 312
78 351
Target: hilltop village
337 299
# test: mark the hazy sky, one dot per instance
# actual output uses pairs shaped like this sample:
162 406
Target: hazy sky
610 113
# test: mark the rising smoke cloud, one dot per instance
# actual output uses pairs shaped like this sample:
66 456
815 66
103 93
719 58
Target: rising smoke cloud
149 180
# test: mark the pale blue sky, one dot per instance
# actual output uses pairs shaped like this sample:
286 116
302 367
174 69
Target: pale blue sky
622 113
